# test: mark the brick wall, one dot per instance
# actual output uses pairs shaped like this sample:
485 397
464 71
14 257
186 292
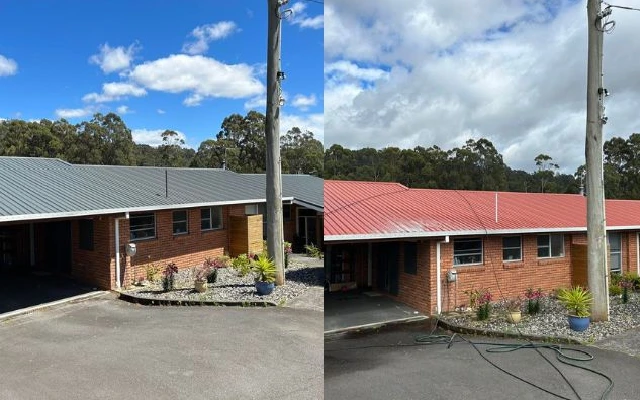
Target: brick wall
414 289
186 250
92 266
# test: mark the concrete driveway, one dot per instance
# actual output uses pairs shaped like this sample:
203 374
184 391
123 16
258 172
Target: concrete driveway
355 310
106 349
373 367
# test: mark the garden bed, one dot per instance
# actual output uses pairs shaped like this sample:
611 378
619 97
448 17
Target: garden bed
552 320
230 288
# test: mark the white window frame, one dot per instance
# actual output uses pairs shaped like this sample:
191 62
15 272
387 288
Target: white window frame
185 221
456 262
131 229
251 209
210 219
511 248
549 235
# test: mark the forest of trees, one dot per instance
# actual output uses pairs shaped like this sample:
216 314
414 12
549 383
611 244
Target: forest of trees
478 166
106 140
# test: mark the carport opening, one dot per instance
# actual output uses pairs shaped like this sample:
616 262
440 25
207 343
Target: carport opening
35 264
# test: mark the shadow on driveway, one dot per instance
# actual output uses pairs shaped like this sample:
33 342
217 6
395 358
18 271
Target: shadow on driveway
348 310
19 291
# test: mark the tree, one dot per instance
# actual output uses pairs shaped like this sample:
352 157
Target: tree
546 169
247 134
301 153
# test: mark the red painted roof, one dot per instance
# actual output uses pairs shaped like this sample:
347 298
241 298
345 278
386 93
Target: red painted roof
369 210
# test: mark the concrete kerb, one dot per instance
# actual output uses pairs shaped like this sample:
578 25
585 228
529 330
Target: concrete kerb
483 332
172 302
373 326
73 299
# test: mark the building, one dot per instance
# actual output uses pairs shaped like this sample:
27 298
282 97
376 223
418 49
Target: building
80 220
428 247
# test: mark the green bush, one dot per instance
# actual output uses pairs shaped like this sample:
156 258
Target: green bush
615 278
577 300
614 290
242 264
313 251
633 279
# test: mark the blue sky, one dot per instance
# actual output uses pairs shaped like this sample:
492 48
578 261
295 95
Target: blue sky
180 65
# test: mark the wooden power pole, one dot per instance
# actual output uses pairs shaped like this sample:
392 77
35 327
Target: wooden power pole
275 237
596 222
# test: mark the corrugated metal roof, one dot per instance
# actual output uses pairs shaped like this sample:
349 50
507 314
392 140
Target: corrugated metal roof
368 210
304 188
40 188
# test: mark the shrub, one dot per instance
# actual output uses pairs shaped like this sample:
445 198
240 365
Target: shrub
242 264
615 290
484 305
287 250
169 275
313 251
615 278
633 279
533 300
151 271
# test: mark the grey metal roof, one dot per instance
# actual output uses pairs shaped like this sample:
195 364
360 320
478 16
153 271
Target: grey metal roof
48 188
305 189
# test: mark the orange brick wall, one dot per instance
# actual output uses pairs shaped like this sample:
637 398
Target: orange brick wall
414 289
91 266
187 250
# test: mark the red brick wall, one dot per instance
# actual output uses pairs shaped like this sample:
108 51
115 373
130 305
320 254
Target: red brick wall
414 290
92 266
505 279
187 250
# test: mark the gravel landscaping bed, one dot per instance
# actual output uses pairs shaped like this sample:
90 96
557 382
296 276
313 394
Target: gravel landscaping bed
552 320
302 273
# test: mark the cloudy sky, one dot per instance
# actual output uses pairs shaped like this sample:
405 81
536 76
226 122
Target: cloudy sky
180 65
418 72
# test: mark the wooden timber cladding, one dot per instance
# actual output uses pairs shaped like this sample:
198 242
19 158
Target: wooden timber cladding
245 234
579 265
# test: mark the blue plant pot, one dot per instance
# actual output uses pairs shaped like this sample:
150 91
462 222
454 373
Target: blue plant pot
578 324
265 288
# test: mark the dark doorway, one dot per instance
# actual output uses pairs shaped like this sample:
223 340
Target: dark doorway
387 276
57 247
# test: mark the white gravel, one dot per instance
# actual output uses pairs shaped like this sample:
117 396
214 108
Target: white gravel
302 273
552 320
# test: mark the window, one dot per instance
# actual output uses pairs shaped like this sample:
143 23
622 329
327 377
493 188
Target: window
180 222
286 212
86 234
251 209
467 251
511 248
142 226
211 218
615 251
550 246
411 258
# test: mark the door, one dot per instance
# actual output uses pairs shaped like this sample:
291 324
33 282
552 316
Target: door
58 247
387 274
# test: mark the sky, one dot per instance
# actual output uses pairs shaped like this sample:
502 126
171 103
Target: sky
424 73
181 65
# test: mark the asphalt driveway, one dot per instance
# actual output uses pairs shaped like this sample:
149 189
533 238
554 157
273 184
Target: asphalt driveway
373 366
104 348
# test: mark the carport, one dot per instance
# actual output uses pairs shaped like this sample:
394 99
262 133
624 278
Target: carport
35 264
344 311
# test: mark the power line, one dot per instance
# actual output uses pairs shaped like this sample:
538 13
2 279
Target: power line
610 5
316 1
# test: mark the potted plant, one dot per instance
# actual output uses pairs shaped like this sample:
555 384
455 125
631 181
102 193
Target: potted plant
577 300
514 313
265 270
201 275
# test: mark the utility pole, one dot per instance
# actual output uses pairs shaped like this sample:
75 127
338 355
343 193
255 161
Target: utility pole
596 222
275 237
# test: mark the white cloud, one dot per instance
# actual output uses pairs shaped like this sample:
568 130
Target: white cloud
161 111
7 66
423 74
301 18
256 103
114 91
111 59
206 34
199 76
123 110
304 102
69 113
152 136
307 122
